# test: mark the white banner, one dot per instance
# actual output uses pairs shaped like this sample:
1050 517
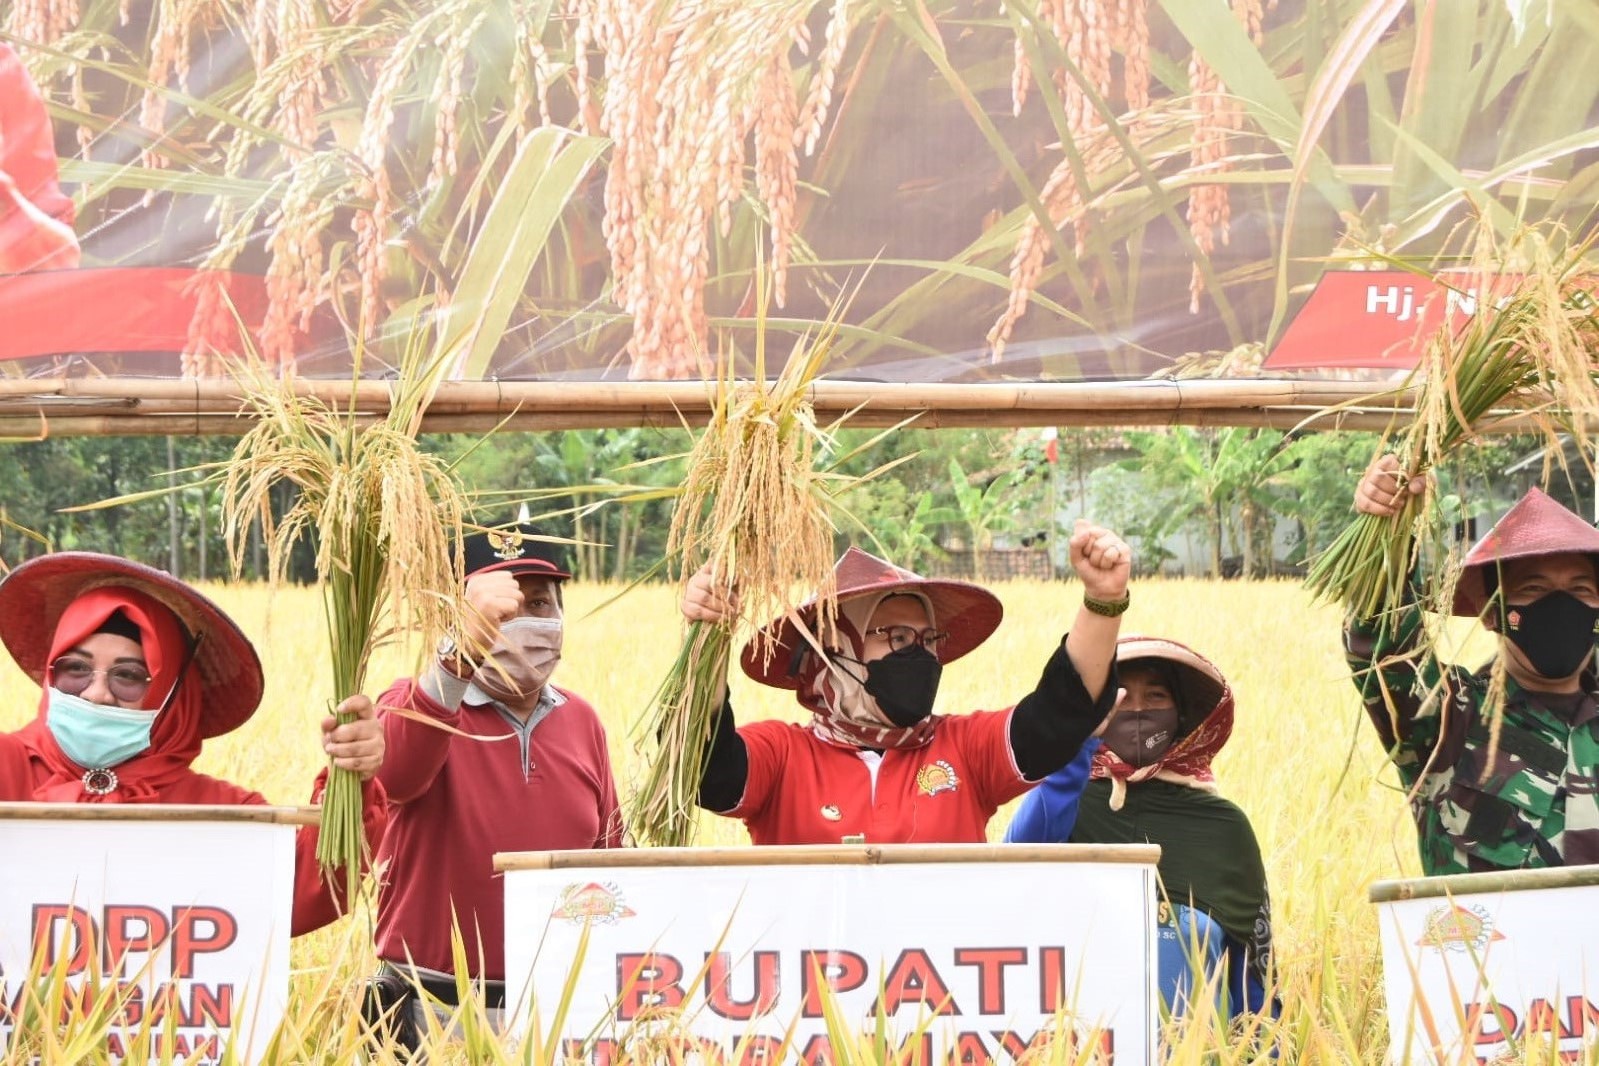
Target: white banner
970 962
1475 972
187 919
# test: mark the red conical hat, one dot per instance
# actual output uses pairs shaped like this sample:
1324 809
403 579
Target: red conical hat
35 594
1536 525
968 613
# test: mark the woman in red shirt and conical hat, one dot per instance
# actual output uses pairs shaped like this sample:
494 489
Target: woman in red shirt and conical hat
137 670
874 763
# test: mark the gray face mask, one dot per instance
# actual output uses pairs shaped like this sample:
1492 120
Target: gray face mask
1139 738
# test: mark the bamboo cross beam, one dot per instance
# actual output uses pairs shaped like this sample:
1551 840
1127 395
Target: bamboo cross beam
143 406
191 423
503 396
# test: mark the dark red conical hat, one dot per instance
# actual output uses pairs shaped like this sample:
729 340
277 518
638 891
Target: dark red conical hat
967 612
1536 525
35 594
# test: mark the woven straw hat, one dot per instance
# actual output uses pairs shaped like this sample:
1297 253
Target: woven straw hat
969 613
34 595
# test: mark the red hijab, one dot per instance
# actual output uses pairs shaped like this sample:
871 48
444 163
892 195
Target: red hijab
175 737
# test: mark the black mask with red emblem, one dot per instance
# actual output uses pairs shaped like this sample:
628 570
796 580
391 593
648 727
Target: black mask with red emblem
1555 632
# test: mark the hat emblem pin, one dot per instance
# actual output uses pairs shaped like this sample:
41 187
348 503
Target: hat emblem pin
507 545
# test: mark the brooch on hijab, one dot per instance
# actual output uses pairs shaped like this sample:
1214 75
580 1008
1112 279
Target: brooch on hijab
99 782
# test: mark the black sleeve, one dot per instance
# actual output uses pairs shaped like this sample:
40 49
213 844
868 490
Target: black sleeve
1048 727
727 765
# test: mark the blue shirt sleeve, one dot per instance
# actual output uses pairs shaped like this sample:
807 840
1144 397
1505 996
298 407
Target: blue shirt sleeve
1048 813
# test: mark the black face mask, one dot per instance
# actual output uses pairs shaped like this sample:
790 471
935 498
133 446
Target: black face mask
904 683
1139 738
1555 632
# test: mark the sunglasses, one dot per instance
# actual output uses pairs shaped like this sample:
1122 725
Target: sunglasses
128 682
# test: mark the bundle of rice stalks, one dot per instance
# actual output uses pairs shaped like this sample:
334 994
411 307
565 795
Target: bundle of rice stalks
386 517
759 506
1531 349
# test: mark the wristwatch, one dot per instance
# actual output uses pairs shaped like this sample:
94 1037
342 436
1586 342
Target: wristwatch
452 661
1108 608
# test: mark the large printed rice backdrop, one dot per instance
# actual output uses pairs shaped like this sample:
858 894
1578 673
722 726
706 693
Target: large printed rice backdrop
1064 190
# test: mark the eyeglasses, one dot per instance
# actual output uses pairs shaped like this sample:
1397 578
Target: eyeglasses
128 682
900 637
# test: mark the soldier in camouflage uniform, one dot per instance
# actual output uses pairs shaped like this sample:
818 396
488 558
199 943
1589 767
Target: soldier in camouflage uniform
1534 579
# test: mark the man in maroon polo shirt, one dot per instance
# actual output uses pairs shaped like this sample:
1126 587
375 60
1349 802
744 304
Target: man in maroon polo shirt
539 780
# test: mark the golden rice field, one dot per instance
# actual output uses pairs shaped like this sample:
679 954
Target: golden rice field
1301 763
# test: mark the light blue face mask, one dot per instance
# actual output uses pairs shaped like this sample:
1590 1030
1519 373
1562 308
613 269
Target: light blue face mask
96 736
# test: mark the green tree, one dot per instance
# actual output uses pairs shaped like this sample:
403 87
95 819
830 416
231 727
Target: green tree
1146 515
1230 480
1322 479
900 523
558 473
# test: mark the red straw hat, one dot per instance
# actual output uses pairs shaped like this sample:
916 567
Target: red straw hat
1536 525
968 613
34 595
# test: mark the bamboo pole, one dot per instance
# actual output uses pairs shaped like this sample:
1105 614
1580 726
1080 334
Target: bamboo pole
156 812
503 396
15 429
32 408
1493 881
204 424
825 855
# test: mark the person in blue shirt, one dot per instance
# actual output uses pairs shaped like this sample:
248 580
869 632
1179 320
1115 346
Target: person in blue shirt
1148 779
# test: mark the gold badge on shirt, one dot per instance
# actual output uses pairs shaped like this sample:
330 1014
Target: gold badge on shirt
937 777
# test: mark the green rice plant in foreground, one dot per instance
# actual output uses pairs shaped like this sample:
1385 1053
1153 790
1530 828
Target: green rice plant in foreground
1302 763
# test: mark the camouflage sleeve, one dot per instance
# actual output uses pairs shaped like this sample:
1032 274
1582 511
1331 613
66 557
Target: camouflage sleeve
1399 683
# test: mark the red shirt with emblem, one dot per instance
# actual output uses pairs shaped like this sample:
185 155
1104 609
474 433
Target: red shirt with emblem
803 790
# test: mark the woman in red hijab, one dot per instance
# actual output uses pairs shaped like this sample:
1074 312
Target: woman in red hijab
137 669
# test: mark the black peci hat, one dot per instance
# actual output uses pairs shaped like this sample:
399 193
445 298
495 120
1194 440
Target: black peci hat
513 547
